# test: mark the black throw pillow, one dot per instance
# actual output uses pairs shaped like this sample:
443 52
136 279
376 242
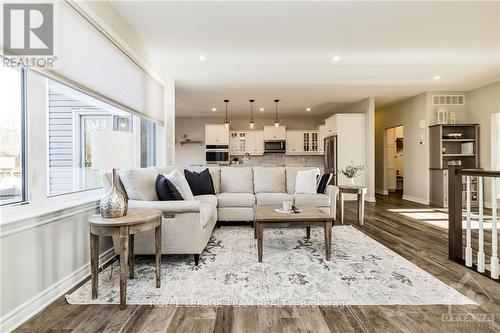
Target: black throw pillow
323 182
200 182
166 190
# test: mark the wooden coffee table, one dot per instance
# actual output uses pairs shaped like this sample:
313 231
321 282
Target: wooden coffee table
309 216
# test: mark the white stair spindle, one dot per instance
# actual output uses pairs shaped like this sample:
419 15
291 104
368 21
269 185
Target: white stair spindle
494 239
468 247
480 252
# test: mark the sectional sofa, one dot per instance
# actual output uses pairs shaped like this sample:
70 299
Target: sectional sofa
188 225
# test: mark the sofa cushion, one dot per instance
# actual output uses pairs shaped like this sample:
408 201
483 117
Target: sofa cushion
236 200
207 198
269 179
316 200
306 181
180 182
200 182
272 198
167 169
166 190
214 172
236 180
140 183
291 176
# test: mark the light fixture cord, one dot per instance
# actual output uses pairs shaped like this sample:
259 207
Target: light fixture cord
251 111
225 120
276 114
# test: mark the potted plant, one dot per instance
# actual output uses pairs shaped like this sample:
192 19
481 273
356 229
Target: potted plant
352 171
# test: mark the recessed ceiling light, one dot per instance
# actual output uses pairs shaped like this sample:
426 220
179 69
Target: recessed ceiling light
308 109
261 109
214 109
437 77
202 58
336 58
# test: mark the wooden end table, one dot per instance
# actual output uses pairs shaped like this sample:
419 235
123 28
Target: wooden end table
122 229
309 216
360 191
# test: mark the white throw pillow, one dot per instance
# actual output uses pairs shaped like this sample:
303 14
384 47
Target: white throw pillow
180 182
306 180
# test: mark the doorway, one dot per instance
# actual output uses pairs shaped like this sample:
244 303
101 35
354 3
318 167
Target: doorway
394 164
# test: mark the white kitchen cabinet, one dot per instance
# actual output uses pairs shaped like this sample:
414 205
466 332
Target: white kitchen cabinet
330 126
251 142
255 143
216 135
302 143
294 142
274 133
321 139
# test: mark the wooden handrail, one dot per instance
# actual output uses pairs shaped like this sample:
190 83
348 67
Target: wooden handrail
478 172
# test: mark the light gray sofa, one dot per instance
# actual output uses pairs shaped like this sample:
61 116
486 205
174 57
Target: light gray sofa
188 225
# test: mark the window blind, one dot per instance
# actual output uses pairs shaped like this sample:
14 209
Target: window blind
88 58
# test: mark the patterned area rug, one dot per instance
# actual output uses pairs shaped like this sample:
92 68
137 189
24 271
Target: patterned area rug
293 272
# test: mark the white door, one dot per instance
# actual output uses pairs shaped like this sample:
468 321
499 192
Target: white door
321 138
390 165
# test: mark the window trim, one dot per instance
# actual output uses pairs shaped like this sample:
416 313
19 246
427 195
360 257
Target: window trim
24 144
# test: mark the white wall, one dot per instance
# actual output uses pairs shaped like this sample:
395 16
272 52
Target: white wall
407 113
483 103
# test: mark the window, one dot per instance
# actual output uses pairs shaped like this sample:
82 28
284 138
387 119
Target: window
73 116
12 140
148 143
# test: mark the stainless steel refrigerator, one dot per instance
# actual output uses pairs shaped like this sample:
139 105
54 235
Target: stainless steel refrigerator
331 165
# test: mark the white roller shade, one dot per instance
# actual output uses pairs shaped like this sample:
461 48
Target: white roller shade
87 58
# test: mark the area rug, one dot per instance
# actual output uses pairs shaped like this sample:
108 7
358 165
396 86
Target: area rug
293 272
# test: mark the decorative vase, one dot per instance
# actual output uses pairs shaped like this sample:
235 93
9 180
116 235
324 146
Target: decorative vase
351 181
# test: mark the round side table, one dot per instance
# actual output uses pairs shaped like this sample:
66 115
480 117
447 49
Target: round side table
122 229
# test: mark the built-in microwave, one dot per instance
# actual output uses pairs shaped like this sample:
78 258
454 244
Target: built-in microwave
217 154
274 146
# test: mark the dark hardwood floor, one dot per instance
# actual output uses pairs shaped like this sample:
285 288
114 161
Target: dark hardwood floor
421 243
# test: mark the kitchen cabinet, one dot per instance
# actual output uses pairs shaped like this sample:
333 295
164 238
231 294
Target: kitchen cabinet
251 142
274 133
321 139
302 142
216 135
330 126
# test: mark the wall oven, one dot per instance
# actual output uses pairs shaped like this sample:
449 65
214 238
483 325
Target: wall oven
217 154
274 146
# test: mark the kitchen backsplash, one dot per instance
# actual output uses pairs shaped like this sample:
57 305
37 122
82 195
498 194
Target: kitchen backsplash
281 159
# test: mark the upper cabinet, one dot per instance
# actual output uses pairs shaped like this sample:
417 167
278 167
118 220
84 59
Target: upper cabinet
330 126
274 133
302 143
216 135
321 139
251 142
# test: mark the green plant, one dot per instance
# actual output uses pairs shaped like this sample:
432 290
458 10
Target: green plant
352 171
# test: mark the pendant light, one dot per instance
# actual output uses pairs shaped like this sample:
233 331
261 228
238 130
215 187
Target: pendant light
276 119
226 121
252 123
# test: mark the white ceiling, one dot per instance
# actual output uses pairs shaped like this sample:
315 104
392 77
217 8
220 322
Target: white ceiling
268 50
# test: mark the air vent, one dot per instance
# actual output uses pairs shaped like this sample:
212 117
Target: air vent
448 99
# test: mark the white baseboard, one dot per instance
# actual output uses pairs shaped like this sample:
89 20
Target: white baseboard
416 199
382 192
28 309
